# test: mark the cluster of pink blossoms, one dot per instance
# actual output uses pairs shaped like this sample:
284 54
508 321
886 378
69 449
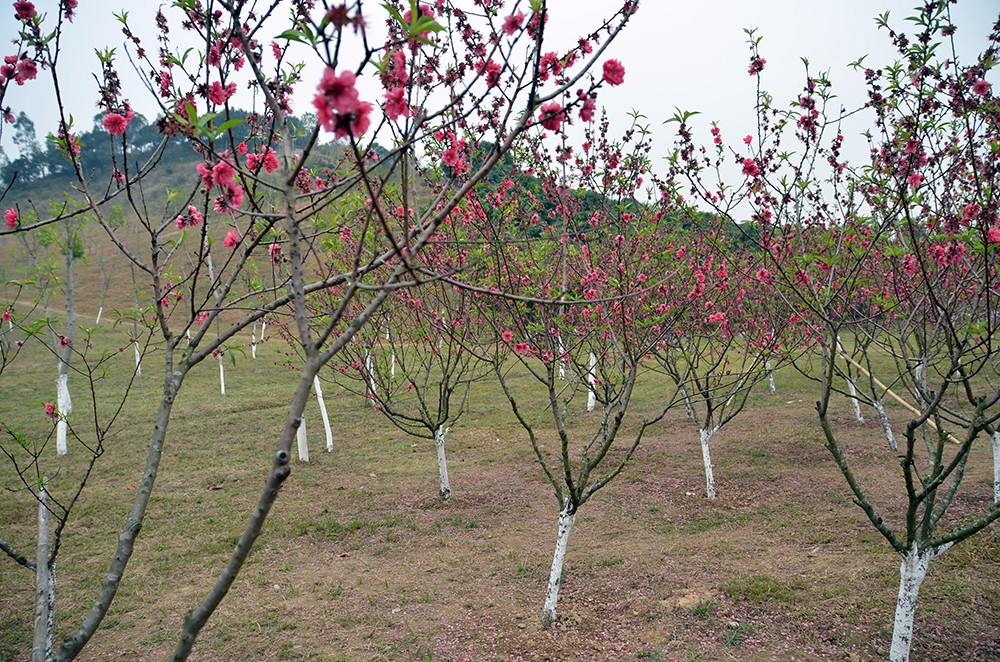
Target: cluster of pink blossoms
338 108
191 219
116 123
222 175
21 70
10 217
551 115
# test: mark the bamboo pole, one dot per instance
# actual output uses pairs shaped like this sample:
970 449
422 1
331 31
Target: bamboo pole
895 397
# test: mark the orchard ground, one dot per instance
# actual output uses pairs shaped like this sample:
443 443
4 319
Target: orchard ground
361 560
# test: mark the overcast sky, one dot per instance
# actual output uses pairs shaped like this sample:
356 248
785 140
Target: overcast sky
691 55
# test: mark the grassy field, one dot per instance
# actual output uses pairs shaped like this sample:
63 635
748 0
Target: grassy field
360 559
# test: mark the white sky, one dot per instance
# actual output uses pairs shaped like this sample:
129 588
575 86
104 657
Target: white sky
691 55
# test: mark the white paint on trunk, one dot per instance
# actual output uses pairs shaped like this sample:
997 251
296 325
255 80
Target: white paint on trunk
253 341
889 436
549 614
770 374
392 365
996 467
263 326
688 409
369 377
852 389
64 407
326 417
99 311
439 436
222 373
591 378
912 571
706 456
303 443
41 647
562 361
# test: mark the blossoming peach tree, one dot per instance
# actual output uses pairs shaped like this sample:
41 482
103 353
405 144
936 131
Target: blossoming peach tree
891 265
577 283
454 76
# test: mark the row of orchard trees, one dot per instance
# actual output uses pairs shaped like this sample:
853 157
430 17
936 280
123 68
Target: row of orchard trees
412 275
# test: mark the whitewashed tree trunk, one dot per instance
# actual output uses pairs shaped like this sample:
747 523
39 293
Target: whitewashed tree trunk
889 436
370 378
706 456
591 378
688 409
770 375
439 436
996 467
303 443
44 586
64 407
392 365
322 412
852 389
263 327
99 311
566 519
138 357
912 571
222 373
253 341
562 361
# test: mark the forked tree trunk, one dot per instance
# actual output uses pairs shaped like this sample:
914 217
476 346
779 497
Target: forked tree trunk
303 443
912 571
591 378
889 437
41 650
439 436
566 519
996 467
322 412
706 456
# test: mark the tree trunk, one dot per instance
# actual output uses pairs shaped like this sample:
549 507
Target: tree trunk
303 443
64 406
370 378
99 311
912 571
253 340
688 408
222 374
138 358
566 519
996 467
562 361
322 412
41 650
770 375
706 456
889 437
591 378
439 436
852 389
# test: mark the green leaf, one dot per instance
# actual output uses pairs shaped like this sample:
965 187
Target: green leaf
293 35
